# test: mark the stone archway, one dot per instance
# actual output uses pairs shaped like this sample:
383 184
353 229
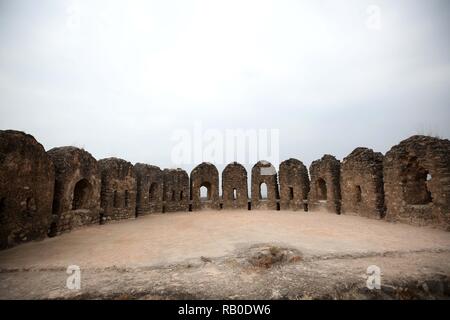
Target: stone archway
416 181
416 190
81 194
205 175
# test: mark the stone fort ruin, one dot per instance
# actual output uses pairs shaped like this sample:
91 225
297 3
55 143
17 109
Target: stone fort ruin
48 193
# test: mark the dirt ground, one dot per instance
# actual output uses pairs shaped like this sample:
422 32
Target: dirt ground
233 255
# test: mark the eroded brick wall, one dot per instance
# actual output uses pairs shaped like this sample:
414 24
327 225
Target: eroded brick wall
176 190
294 185
149 189
234 187
325 184
417 181
119 189
26 189
264 172
362 183
205 175
49 193
77 189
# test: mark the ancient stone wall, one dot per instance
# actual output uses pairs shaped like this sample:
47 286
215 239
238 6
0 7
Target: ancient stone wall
264 172
417 181
119 189
26 189
176 190
234 187
77 189
294 185
205 175
325 184
49 193
149 189
362 183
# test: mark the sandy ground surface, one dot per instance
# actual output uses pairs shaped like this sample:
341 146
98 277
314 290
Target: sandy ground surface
209 255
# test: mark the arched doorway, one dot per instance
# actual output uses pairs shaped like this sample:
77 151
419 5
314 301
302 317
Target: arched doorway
205 191
416 180
81 194
263 192
321 190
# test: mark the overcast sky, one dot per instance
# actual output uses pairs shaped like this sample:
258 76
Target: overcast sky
118 77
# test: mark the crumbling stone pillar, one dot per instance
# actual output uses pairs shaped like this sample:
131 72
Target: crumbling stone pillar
176 190
119 188
362 183
77 189
26 189
205 175
263 172
417 181
294 185
234 187
325 184
149 189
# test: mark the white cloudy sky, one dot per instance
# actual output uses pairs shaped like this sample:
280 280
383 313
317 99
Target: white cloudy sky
118 77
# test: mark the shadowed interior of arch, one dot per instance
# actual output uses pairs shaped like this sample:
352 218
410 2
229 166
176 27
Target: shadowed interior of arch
416 180
321 190
81 194
205 191
358 194
152 192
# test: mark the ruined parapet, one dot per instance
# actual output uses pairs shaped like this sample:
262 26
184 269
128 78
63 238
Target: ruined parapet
362 183
234 187
325 184
77 189
119 189
149 189
294 185
263 172
176 190
417 181
205 175
26 189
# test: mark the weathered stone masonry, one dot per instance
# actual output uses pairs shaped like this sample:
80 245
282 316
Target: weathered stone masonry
205 175
149 189
26 189
234 187
77 189
362 183
176 190
325 184
50 193
294 185
417 181
264 172
118 193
